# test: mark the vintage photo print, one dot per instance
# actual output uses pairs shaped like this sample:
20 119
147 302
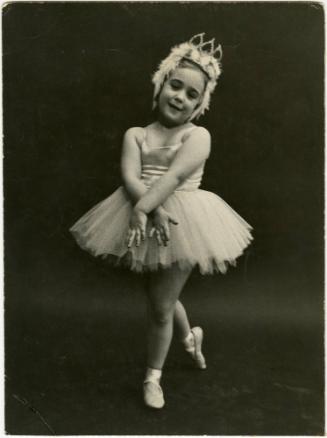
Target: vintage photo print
163 183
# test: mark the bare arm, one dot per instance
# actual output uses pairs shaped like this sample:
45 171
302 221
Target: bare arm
131 167
194 151
131 170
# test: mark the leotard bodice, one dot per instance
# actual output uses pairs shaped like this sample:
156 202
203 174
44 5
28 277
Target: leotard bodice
156 161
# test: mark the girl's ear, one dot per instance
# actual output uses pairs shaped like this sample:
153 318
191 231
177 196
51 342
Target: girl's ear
162 85
156 98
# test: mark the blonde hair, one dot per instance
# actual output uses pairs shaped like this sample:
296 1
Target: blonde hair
195 54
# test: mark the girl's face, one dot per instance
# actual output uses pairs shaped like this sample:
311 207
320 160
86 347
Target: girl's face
181 93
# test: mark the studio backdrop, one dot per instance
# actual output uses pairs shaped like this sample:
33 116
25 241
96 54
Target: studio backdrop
76 76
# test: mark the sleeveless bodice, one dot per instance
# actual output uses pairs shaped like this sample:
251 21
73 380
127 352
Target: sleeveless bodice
156 161
209 233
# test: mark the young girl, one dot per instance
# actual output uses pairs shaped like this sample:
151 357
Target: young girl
160 222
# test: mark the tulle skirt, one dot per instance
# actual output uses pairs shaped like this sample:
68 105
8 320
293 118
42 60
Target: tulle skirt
209 233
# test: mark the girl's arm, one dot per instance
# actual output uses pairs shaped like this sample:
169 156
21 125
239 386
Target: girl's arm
131 170
194 151
131 167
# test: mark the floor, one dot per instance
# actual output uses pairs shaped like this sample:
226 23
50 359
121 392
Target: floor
75 352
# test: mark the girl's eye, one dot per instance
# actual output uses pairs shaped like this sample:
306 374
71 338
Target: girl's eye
175 85
192 95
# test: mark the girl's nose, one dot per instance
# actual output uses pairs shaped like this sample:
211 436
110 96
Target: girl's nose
180 95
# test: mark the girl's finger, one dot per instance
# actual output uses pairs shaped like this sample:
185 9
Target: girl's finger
137 237
142 234
152 231
159 240
127 237
163 236
131 236
172 220
164 240
167 232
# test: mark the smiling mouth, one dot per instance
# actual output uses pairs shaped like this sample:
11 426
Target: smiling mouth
175 107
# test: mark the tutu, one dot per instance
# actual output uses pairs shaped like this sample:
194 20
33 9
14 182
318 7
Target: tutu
209 233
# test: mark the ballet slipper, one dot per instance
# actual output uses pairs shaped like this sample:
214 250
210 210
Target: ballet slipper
194 350
153 394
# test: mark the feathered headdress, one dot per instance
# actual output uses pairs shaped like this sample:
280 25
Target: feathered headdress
204 54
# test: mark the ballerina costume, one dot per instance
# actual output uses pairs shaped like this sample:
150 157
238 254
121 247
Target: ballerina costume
209 234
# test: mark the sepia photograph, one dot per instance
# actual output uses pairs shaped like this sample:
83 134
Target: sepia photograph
163 184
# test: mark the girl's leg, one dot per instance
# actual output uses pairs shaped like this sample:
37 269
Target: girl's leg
181 321
192 340
164 288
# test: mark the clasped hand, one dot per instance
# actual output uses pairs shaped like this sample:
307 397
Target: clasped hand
160 220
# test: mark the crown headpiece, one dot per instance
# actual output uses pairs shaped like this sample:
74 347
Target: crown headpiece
202 53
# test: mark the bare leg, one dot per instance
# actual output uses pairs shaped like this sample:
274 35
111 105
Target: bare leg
164 289
181 321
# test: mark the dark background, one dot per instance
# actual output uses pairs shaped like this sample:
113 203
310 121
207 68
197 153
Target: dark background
75 77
